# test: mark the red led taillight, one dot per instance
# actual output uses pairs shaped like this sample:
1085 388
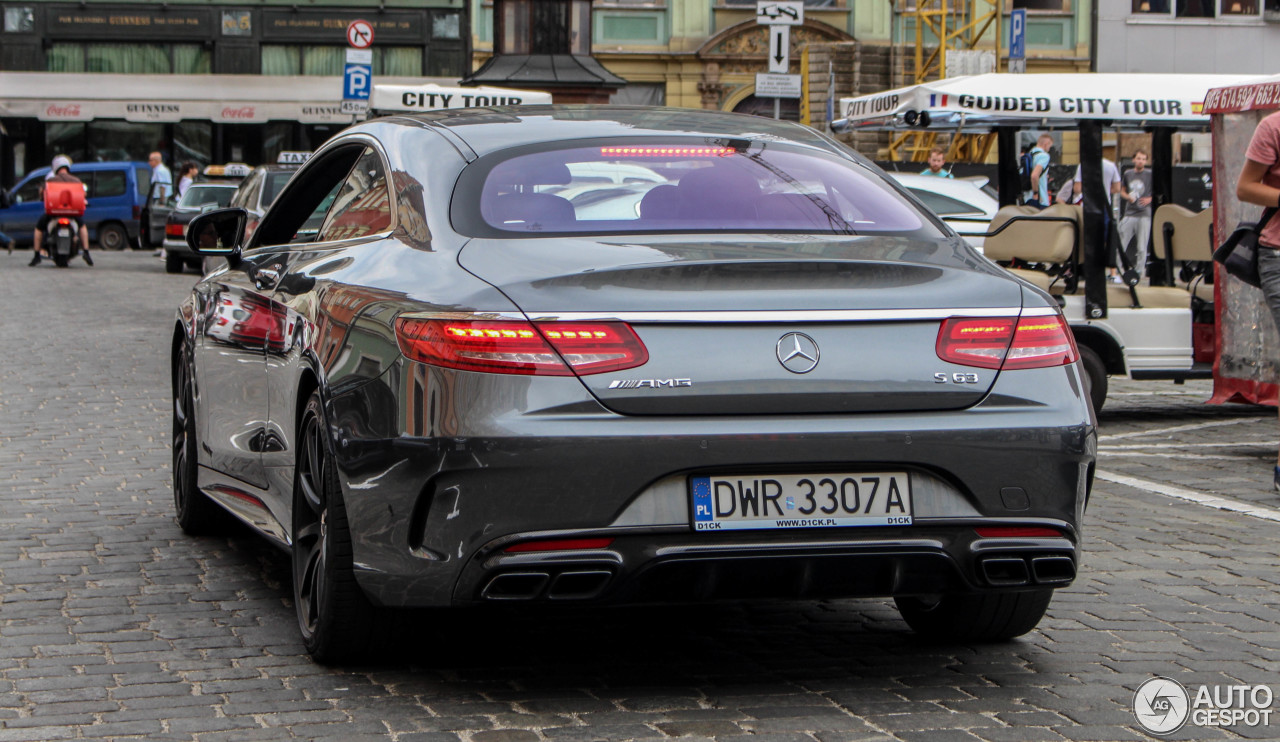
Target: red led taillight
1007 343
667 151
567 544
1017 532
174 230
514 347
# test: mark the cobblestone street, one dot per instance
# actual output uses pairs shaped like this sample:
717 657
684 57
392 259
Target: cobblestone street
114 625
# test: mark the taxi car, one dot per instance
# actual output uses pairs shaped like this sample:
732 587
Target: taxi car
436 382
199 197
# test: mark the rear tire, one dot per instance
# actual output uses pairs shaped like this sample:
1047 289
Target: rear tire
979 617
197 514
337 621
1095 377
174 263
111 236
62 261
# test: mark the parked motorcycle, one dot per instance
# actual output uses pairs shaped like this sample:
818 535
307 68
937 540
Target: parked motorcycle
63 240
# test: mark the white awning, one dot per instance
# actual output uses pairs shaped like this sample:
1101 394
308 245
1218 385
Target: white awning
434 97
980 101
1259 94
231 99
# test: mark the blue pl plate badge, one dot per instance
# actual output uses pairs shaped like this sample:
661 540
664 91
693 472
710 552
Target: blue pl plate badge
702 512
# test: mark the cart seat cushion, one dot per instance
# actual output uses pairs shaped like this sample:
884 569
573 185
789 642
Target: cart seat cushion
1031 238
1151 297
1191 239
1038 279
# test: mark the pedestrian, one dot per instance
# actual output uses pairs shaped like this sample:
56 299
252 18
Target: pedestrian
1037 164
1136 187
937 158
187 176
161 178
1260 184
1112 187
60 172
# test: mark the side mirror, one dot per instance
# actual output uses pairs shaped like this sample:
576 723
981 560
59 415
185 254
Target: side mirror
218 233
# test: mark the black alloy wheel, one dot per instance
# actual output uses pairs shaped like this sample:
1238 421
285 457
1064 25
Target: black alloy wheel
197 514
978 617
336 619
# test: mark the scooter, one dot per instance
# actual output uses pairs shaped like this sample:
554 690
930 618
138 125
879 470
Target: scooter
64 240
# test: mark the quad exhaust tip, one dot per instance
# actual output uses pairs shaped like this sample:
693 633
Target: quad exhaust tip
1011 571
574 584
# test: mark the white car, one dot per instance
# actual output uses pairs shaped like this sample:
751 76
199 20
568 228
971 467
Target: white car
961 202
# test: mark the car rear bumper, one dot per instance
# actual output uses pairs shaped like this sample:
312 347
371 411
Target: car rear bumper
679 567
432 516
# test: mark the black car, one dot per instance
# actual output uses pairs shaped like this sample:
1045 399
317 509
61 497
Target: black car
199 197
261 187
436 381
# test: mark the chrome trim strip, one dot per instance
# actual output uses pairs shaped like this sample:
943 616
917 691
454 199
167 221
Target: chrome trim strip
466 316
754 316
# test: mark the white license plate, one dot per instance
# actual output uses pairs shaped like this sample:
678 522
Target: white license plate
722 503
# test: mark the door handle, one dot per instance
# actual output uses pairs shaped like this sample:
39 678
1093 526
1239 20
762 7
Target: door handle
265 278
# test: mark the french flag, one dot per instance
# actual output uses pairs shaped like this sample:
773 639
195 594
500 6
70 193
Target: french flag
937 100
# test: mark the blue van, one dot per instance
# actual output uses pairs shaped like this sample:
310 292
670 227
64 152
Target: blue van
117 192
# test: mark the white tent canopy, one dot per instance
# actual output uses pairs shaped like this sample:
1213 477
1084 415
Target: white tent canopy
433 97
983 101
229 99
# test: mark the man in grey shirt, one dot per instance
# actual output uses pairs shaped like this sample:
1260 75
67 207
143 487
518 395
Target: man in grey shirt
1136 188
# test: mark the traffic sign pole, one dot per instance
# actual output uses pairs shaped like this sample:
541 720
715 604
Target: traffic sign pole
779 16
357 76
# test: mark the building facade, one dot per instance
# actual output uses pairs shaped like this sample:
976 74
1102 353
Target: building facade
705 53
1189 36
260 52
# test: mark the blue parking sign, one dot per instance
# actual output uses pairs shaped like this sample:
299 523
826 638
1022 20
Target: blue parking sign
357 81
1018 33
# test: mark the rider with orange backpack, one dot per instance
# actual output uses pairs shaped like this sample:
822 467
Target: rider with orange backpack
64 197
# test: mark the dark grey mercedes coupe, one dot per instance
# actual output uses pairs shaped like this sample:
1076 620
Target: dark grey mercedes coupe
575 354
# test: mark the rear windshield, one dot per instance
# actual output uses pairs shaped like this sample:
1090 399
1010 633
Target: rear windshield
197 196
659 187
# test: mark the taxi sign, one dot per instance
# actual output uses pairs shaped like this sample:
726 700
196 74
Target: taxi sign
229 170
292 158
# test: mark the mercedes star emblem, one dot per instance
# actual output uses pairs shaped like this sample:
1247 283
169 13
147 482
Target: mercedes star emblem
798 353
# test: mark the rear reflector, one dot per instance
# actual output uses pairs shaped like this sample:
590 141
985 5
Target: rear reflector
1017 532
568 544
514 347
1006 343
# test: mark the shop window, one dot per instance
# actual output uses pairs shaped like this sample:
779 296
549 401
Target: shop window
400 61
19 20
446 26
141 59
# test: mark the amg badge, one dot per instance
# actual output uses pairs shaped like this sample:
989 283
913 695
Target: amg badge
648 383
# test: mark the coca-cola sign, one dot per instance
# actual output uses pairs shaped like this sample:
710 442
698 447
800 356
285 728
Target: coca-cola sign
66 112
238 113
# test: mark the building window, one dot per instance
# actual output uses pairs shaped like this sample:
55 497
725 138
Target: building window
1197 8
19 20
135 59
807 3
396 61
